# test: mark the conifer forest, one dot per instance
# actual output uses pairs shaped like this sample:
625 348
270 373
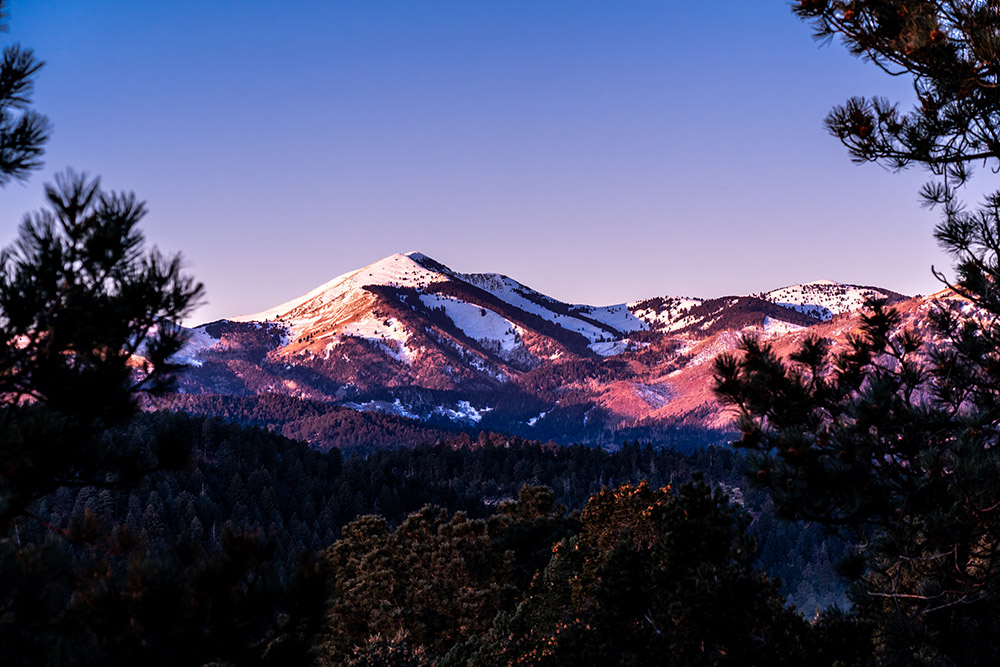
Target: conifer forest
846 513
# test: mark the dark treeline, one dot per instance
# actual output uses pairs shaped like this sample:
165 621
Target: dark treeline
324 425
315 422
256 507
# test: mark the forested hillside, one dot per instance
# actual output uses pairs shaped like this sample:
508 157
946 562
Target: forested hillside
253 503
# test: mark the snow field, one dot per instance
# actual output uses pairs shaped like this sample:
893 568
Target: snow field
480 324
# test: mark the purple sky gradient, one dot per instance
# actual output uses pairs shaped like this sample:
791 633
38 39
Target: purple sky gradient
599 152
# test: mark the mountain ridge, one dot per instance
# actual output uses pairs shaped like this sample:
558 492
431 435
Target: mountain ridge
409 336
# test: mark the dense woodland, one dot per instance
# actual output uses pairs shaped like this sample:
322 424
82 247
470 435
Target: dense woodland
324 426
260 508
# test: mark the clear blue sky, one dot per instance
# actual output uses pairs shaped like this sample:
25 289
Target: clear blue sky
597 151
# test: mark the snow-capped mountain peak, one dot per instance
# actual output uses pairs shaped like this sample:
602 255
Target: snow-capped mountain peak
394 271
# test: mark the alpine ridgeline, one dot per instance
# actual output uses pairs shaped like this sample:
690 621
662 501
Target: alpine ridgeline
409 337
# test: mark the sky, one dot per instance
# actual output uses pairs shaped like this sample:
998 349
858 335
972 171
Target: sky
597 151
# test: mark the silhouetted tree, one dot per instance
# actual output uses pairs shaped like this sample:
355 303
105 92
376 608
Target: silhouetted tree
86 326
892 440
23 131
950 50
892 445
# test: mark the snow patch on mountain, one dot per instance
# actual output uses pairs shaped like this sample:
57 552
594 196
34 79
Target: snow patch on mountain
534 420
609 348
388 334
198 341
776 327
385 407
464 412
666 313
526 299
479 324
618 317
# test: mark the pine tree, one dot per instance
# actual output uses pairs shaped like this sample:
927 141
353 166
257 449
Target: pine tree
86 330
23 130
435 580
654 576
893 446
86 326
892 440
951 51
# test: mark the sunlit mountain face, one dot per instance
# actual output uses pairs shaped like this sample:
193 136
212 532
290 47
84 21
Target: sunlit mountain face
409 337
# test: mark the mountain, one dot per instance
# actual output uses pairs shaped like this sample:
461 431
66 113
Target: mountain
410 337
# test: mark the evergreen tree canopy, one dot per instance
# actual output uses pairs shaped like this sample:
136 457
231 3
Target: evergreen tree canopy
893 445
951 49
654 576
892 439
433 582
23 131
86 324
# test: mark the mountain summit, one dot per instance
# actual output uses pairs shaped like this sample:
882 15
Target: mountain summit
390 302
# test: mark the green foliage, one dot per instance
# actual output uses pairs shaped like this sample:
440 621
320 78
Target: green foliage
85 327
527 528
891 443
891 440
437 579
171 578
23 131
251 479
640 575
435 583
146 609
952 51
173 571
652 573
378 651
